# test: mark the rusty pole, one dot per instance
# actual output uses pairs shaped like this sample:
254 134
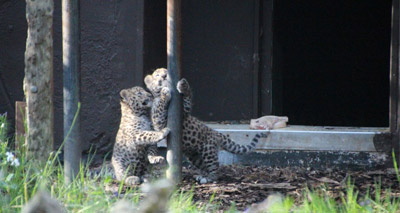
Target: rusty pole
71 67
174 145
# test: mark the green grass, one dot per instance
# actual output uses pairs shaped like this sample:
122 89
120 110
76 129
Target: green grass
18 184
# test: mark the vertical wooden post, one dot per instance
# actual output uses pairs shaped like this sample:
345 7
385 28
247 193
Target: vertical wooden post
38 82
174 144
394 106
71 67
256 60
139 43
20 114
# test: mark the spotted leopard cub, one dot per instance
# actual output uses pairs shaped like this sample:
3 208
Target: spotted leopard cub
158 84
201 143
134 136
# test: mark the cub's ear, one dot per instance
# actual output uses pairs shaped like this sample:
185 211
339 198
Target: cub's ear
147 80
124 94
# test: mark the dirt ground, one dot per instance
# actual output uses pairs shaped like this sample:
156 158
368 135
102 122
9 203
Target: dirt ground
246 185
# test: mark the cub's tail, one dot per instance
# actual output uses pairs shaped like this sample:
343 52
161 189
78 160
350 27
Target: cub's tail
231 146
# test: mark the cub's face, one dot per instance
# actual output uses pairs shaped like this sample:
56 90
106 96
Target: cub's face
156 81
137 98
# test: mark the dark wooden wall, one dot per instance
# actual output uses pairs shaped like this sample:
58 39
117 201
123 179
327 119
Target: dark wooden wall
319 62
108 56
222 44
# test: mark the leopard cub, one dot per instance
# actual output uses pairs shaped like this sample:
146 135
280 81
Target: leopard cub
157 83
134 136
200 143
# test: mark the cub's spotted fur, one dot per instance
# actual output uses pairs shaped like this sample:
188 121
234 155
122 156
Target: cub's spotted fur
134 136
158 83
200 143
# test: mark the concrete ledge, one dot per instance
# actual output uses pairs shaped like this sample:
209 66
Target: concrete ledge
309 146
313 159
310 138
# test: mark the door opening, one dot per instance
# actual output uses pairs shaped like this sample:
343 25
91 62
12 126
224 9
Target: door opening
331 62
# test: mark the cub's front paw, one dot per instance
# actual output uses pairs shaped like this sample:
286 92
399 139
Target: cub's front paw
156 159
202 180
165 131
183 86
166 93
133 181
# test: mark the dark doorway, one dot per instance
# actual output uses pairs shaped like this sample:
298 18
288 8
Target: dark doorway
217 55
331 61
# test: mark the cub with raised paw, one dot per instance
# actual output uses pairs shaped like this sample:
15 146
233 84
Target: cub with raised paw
200 143
157 83
135 136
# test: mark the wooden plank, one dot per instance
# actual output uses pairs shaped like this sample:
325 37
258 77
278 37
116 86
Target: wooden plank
266 50
174 145
20 107
139 44
394 68
394 108
256 60
20 113
38 82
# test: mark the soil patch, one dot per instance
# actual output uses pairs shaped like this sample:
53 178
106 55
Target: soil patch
246 185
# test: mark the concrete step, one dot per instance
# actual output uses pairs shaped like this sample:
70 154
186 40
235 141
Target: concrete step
309 146
310 138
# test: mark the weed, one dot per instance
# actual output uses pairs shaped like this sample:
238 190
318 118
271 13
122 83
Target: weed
20 180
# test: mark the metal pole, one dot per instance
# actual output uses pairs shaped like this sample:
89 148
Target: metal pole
174 146
71 67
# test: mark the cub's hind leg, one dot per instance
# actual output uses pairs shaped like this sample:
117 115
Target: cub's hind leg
153 155
210 165
207 162
122 169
